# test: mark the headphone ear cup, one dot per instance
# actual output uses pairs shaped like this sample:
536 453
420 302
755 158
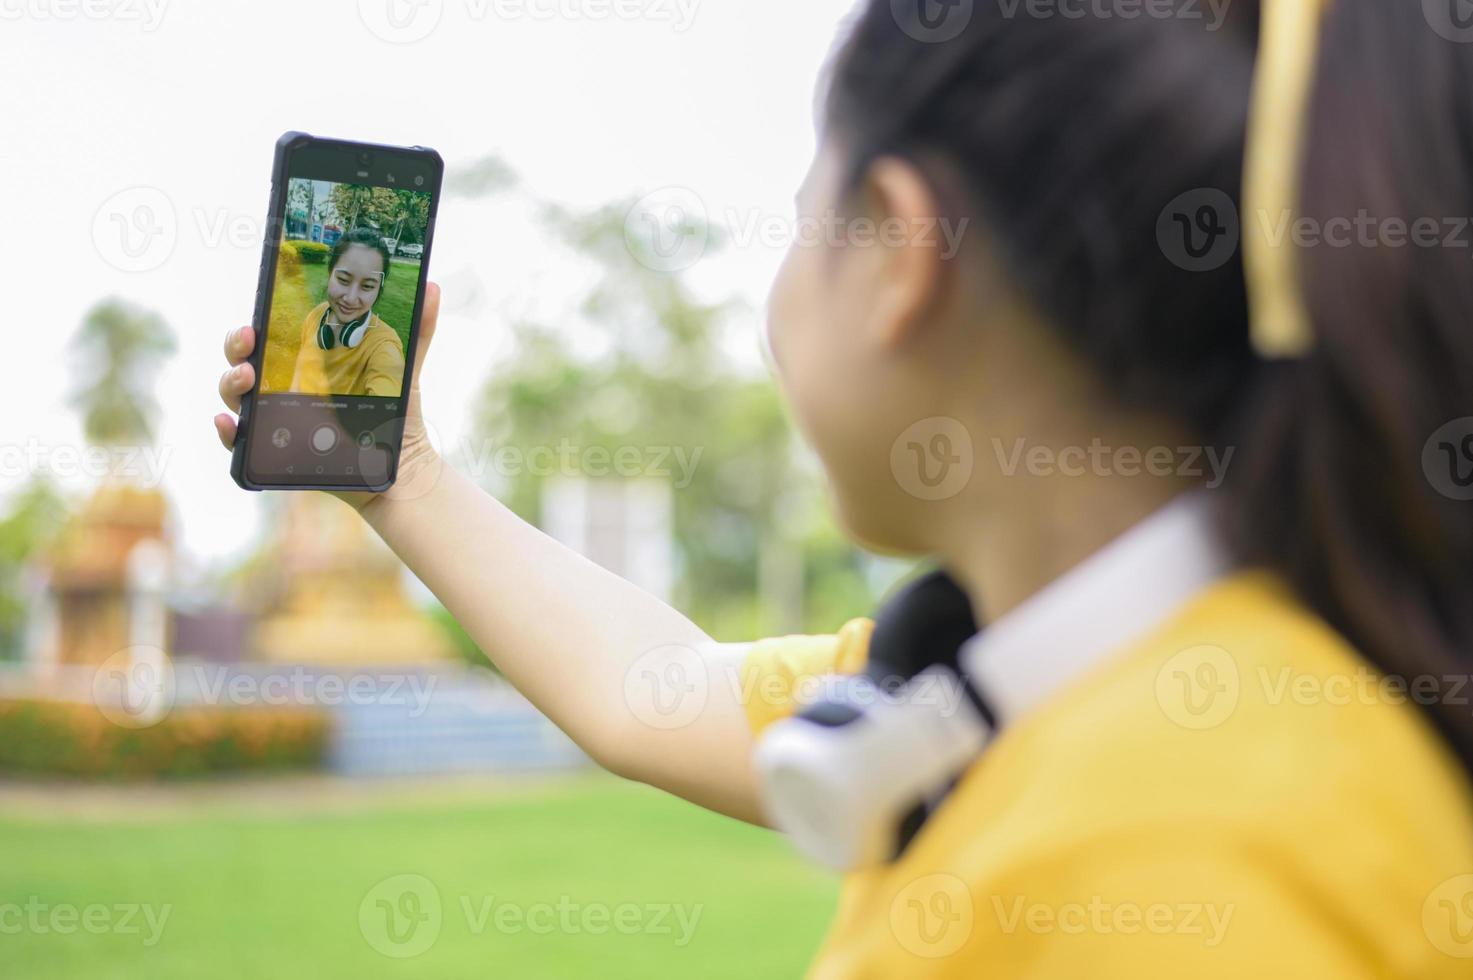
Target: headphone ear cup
324 335
352 332
849 781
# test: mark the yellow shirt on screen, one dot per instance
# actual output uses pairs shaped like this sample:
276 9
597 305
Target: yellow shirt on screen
1273 821
374 367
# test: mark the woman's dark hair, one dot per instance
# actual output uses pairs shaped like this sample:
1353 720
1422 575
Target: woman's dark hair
359 236
1075 137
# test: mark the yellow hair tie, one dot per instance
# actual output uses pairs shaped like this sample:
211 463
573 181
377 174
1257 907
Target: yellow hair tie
1288 45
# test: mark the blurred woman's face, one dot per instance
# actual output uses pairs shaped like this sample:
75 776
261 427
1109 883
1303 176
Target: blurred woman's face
355 282
847 395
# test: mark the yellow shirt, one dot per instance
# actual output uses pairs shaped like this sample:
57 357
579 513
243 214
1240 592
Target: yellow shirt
1284 818
374 367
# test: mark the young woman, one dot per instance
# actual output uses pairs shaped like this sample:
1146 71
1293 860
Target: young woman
1227 730
346 349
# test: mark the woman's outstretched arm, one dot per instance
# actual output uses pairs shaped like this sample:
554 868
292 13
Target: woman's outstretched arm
638 686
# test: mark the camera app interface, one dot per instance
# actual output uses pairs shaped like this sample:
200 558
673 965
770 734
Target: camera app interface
348 273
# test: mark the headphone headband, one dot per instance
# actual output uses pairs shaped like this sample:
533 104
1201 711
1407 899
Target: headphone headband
350 336
852 778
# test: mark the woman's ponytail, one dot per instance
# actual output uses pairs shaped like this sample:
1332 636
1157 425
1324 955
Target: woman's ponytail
1355 467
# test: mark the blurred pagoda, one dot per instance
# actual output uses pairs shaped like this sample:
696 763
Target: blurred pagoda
102 583
327 591
100 587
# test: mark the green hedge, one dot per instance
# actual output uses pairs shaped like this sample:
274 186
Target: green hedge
62 739
308 253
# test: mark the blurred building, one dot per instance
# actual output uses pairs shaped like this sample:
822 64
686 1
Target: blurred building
100 588
322 612
623 525
328 591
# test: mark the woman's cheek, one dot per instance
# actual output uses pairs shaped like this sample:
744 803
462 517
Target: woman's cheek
780 314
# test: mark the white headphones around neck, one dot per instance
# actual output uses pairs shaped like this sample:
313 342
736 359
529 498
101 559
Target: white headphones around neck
351 335
852 778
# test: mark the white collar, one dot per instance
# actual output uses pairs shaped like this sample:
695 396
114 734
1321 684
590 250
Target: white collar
1114 596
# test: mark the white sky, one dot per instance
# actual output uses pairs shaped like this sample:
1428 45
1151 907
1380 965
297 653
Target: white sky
186 99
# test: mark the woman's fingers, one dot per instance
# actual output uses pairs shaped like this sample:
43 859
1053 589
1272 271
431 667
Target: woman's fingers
225 429
239 343
234 383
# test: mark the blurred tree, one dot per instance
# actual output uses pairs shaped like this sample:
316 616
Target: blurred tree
409 216
394 212
302 197
481 178
756 551
36 513
120 347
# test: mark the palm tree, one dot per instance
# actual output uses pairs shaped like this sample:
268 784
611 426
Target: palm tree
120 348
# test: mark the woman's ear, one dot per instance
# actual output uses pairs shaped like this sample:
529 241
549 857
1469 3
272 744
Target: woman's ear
908 251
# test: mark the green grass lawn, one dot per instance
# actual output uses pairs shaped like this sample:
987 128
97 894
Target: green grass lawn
531 884
293 296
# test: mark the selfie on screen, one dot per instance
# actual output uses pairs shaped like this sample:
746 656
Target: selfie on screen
344 290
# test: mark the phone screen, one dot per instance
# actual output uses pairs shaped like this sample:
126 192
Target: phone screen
352 226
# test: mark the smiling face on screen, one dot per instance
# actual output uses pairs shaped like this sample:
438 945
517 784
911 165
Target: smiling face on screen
355 282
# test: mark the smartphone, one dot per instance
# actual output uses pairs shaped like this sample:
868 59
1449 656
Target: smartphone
342 283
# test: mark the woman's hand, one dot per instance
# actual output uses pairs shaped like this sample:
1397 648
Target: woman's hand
420 465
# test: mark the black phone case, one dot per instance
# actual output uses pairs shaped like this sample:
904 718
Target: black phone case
275 217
